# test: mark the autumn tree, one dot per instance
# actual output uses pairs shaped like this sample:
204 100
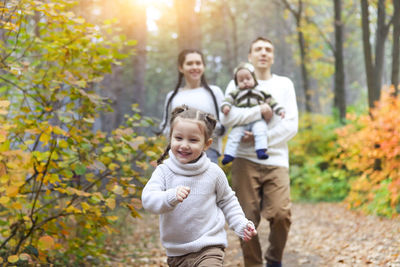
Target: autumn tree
59 179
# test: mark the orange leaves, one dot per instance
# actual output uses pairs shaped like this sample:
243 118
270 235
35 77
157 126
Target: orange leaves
45 242
370 145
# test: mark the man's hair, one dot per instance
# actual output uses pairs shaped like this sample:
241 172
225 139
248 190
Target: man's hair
260 38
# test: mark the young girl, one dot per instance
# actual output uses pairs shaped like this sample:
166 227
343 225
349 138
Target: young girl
192 195
193 90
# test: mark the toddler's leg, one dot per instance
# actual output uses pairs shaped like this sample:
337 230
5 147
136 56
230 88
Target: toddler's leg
232 144
259 130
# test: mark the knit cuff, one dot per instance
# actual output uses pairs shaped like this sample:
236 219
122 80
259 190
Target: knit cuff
171 197
225 104
243 226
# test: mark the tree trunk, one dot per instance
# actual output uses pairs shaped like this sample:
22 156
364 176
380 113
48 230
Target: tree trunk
125 86
396 47
303 52
381 35
230 36
340 92
369 66
189 34
374 68
139 33
304 72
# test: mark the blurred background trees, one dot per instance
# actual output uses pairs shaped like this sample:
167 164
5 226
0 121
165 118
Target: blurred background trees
320 45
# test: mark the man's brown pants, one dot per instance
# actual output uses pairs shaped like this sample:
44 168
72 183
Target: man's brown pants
263 191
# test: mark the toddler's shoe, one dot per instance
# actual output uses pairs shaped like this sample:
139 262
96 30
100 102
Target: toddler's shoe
261 154
274 264
227 159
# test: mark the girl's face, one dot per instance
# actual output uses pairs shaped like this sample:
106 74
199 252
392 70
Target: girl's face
192 68
188 140
244 79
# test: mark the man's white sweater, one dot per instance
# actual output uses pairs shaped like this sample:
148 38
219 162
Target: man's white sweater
280 131
199 220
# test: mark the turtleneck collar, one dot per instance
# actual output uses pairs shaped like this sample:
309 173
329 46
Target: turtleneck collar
188 169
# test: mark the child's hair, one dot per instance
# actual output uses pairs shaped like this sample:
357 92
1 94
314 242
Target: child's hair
203 83
246 66
184 112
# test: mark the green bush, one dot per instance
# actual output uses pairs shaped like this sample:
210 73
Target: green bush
314 173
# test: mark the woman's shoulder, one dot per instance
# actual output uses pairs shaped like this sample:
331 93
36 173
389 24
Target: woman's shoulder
215 87
169 93
217 91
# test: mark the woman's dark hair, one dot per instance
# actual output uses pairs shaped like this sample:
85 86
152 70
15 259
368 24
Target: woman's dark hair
185 112
203 83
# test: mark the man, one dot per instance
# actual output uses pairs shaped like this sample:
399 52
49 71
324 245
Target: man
263 185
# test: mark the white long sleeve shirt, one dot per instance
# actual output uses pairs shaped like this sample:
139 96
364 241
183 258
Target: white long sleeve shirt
199 220
280 131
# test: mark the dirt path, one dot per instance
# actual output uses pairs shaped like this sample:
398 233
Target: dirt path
323 234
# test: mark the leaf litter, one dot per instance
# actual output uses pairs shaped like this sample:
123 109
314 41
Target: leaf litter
322 234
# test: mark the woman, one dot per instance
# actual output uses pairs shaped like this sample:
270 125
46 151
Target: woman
195 93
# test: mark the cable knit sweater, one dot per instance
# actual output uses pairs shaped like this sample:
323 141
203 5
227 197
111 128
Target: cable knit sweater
198 221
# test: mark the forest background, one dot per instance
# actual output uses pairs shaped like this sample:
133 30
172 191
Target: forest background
74 151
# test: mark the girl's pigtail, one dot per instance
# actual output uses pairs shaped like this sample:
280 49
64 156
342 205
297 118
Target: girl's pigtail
164 155
208 88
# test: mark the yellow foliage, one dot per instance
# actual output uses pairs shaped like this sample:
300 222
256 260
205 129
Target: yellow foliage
13 258
45 242
110 203
4 200
118 190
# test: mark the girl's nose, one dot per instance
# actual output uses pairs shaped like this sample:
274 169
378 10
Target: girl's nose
185 144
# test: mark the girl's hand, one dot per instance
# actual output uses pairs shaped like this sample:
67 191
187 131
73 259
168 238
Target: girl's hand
182 192
282 114
249 232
